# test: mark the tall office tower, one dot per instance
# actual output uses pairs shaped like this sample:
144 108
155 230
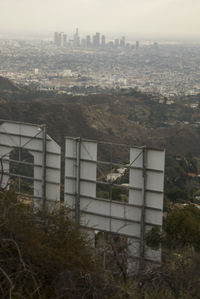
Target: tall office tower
103 41
122 42
83 42
96 40
61 39
116 43
78 42
76 38
88 41
64 40
137 44
56 38
93 40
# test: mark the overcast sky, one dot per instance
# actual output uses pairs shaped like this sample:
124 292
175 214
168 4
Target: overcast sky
145 17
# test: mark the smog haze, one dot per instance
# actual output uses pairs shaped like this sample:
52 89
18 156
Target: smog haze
145 18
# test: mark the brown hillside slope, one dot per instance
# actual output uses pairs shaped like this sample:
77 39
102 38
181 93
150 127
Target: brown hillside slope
103 118
6 84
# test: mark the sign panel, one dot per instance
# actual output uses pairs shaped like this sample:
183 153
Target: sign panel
142 208
132 219
45 151
146 189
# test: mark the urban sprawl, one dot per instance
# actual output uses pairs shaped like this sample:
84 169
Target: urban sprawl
93 64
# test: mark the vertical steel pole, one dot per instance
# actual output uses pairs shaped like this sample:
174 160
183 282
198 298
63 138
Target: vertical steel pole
19 159
142 231
44 149
78 168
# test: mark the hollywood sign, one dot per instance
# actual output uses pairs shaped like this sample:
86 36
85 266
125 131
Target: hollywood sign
132 218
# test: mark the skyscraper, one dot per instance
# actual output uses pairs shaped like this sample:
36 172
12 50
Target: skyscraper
65 40
62 39
59 39
56 39
103 41
88 41
96 40
83 42
116 42
76 38
122 42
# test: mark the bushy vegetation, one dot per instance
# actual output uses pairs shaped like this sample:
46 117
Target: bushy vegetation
178 276
43 254
180 187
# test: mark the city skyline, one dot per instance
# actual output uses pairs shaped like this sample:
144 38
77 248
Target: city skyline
96 40
152 18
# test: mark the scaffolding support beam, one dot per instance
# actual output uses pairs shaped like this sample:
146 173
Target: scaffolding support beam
44 165
143 220
78 161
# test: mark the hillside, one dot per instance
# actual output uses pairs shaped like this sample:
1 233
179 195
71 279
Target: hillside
6 84
128 119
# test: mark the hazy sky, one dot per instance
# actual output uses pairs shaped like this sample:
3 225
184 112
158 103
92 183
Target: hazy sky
146 17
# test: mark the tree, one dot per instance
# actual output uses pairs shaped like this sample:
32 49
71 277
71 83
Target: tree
182 227
44 255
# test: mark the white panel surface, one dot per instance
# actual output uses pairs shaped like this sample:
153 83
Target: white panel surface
70 186
53 176
4 153
52 192
156 159
89 150
155 181
136 178
20 128
88 189
88 171
30 137
103 223
117 217
153 217
110 209
136 157
139 192
53 160
52 146
153 199
70 148
70 172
